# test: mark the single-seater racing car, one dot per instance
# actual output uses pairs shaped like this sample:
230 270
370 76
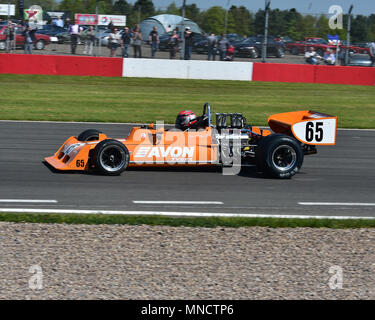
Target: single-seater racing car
197 141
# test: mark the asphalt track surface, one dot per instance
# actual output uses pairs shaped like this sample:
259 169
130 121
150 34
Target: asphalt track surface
344 173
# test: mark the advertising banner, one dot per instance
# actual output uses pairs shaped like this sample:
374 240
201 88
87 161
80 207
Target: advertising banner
35 13
104 20
4 9
86 19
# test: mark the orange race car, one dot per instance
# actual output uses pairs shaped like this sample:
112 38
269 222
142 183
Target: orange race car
196 141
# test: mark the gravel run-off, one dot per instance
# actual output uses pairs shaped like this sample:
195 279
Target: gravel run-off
158 262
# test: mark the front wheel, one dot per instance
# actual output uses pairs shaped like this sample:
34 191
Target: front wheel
39 45
279 156
111 157
280 53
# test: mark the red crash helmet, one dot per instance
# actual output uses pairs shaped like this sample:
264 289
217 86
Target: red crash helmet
185 119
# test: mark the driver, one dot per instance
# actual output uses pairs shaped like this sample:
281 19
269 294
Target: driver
186 119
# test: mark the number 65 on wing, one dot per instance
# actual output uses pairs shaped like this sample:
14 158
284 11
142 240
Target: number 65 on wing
309 127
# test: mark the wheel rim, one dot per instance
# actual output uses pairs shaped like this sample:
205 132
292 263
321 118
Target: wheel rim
39 45
284 158
112 158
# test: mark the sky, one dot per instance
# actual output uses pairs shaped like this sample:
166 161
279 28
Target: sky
365 7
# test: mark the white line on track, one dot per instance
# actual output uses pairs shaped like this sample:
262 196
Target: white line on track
177 202
352 204
176 214
27 201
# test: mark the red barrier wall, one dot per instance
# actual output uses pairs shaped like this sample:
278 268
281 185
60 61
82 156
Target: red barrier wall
60 65
345 75
283 72
313 74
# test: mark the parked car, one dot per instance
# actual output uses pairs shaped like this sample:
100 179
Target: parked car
163 45
41 39
252 47
247 49
51 29
321 46
356 60
200 44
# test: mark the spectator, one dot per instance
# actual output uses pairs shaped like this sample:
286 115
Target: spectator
126 38
110 25
9 36
114 41
74 31
330 57
68 23
168 29
59 22
211 47
188 43
89 41
29 35
137 42
173 43
311 56
154 41
223 46
372 52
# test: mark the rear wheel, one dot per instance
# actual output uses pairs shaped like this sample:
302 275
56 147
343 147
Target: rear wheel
279 156
89 135
111 157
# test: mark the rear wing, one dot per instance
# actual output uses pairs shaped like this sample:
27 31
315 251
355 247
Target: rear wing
309 127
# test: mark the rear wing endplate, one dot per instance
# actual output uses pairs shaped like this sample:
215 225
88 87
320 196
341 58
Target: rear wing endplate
309 127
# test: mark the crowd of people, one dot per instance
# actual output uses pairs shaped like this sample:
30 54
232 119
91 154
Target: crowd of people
333 58
27 32
133 38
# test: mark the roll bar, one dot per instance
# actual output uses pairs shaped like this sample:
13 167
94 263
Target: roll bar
207 111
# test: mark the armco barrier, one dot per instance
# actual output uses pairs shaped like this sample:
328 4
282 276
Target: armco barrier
277 72
192 69
188 69
60 65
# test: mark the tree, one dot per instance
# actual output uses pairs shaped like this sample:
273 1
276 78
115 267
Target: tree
242 19
145 7
192 12
213 20
47 5
292 18
74 6
360 29
122 7
172 9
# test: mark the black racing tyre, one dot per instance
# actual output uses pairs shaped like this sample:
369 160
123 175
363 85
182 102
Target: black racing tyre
111 157
279 156
89 135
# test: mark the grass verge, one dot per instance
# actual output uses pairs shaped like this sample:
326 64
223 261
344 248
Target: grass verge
145 100
186 221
